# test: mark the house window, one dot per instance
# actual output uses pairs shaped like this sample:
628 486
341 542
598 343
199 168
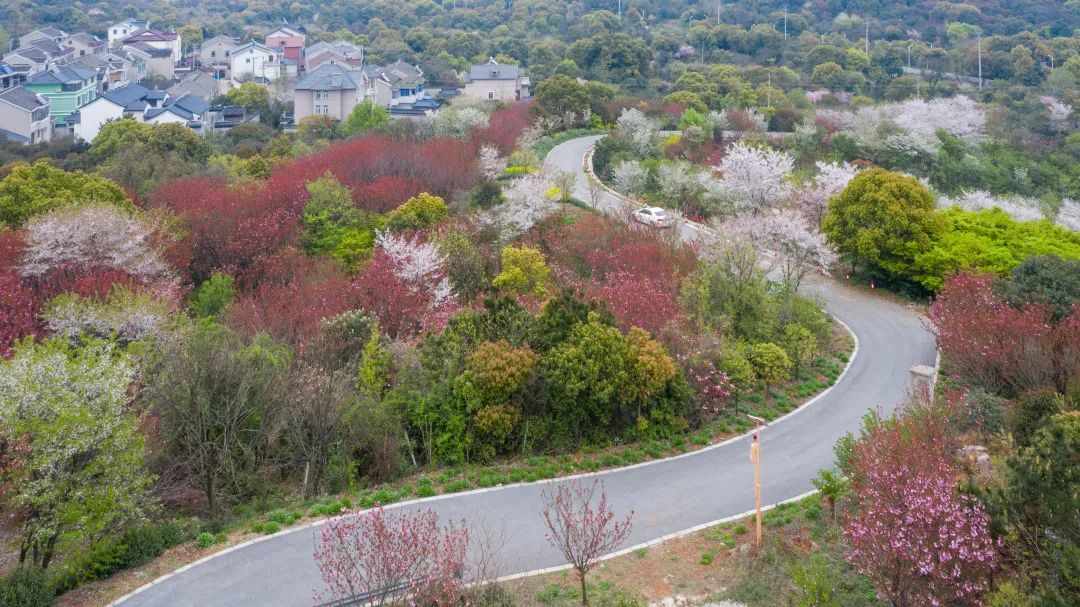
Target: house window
491 94
322 94
213 53
248 60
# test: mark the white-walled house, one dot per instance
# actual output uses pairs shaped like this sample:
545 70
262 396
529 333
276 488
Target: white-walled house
24 116
255 60
217 50
189 110
117 32
130 101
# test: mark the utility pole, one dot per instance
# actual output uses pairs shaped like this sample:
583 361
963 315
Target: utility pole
620 11
769 92
909 54
980 61
866 38
717 13
755 459
785 21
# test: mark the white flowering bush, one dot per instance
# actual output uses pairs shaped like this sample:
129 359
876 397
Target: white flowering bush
630 177
492 165
458 120
417 263
640 132
124 316
528 200
1017 207
1068 216
795 246
831 179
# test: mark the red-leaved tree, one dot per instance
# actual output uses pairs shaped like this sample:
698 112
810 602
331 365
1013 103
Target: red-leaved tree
581 530
389 556
913 534
999 346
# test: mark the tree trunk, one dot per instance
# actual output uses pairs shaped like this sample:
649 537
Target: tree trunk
211 501
584 591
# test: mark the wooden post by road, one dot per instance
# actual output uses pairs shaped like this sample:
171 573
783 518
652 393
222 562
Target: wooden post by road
755 458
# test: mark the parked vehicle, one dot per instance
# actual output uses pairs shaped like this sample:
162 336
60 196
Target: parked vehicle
654 216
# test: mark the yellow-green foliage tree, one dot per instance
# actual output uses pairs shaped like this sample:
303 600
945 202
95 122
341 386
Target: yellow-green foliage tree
32 189
418 212
523 271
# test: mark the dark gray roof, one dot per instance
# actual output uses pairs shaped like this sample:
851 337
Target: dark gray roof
493 71
400 72
220 39
136 106
6 134
126 95
86 39
63 75
153 51
191 103
23 98
329 77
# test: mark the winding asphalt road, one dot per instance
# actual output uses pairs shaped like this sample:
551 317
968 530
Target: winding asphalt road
666 496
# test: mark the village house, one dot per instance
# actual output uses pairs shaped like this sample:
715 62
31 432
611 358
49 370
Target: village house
83 44
339 51
216 51
255 60
157 39
24 116
67 88
117 32
288 41
497 82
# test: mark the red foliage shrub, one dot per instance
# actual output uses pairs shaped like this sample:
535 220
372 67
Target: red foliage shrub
19 307
1001 347
23 299
385 194
636 273
505 127
12 247
403 309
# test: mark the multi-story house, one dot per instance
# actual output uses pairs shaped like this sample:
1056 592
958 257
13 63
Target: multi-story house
400 84
117 32
216 51
157 39
332 90
46 33
497 82
67 88
109 75
83 44
24 116
288 41
339 51
190 110
159 61
38 56
255 60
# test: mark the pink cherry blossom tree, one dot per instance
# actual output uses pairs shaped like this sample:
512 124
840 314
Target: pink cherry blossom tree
758 177
912 533
400 557
581 530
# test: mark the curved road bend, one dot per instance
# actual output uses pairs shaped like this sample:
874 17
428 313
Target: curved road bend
666 496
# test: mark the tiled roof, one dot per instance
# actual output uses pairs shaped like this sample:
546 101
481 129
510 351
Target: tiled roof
63 75
493 71
23 98
150 35
329 77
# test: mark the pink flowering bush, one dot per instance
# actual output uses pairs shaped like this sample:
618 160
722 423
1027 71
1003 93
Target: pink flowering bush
912 533
368 552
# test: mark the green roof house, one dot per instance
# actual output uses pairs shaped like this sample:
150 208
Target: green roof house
66 87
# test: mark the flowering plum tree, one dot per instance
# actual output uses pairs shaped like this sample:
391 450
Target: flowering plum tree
389 556
831 179
787 236
581 531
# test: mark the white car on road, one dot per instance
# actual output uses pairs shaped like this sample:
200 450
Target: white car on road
654 216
